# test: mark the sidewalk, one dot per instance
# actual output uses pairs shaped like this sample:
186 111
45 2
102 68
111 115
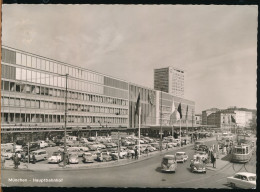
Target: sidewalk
221 162
55 167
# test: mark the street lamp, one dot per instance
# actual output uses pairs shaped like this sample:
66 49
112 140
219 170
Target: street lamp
161 124
65 123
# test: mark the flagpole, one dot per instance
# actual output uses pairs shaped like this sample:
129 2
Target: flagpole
180 132
139 118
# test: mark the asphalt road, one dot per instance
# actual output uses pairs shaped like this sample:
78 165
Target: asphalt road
144 173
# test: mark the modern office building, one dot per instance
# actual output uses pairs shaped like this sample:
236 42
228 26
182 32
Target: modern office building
169 80
33 92
33 96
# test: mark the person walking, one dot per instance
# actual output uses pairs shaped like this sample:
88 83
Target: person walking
213 159
136 154
147 151
33 158
16 161
167 146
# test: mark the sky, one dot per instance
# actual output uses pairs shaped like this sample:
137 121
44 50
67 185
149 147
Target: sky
216 45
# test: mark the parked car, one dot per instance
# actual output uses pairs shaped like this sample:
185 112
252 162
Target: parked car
197 166
201 155
56 157
84 140
88 158
7 153
73 158
244 180
203 148
39 155
42 144
51 143
32 147
197 143
168 164
75 150
181 157
103 156
92 138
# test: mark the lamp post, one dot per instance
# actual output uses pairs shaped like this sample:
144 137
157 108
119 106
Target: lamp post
65 123
161 124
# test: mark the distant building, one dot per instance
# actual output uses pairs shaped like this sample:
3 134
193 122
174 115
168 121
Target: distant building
243 116
169 80
221 119
198 119
205 115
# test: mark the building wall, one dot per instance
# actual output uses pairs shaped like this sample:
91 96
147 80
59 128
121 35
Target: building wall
176 82
33 95
166 105
206 113
161 79
148 106
169 80
198 119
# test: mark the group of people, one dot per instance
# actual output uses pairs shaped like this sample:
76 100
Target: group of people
212 155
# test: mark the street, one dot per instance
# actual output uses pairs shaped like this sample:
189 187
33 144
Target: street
144 173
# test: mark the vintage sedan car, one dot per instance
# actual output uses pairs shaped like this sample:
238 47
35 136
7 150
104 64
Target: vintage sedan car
103 156
168 164
88 158
51 143
201 155
197 143
243 180
73 158
203 148
181 157
198 166
7 153
56 157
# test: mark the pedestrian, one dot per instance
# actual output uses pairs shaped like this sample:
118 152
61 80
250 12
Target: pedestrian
167 146
147 151
214 159
33 158
136 154
185 142
133 153
16 161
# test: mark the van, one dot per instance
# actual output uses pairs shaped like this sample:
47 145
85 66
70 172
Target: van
43 144
39 155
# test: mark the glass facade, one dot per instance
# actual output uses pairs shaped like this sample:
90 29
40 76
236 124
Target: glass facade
33 94
33 90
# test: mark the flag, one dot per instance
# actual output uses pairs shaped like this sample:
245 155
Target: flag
187 113
137 105
179 110
150 99
233 119
173 107
174 114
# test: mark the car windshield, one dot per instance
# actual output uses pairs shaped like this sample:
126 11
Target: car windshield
55 154
179 154
201 153
73 155
252 178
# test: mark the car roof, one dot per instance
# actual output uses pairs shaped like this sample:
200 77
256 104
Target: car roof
180 152
169 157
246 174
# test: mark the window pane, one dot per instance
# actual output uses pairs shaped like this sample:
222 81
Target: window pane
23 59
43 64
51 66
47 66
38 78
23 75
47 79
33 62
55 67
18 74
34 76
29 75
29 61
43 78
51 80
18 58
38 63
